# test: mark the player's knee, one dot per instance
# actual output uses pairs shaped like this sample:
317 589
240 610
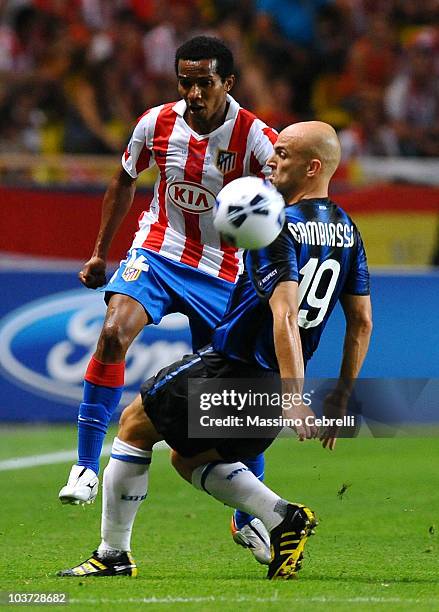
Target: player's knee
181 465
133 425
113 341
136 428
126 422
175 460
124 418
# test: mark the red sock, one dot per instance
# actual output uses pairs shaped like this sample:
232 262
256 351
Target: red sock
105 374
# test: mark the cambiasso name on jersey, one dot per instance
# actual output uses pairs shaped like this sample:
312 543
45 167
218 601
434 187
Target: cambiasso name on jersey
323 234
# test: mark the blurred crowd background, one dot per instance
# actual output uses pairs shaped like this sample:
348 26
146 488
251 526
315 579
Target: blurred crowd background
75 74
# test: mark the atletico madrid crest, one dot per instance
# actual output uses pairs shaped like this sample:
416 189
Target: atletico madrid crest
130 274
226 161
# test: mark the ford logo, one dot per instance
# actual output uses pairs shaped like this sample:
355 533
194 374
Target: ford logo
191 197
47 344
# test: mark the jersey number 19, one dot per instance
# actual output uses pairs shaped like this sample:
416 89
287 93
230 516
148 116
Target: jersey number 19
312 288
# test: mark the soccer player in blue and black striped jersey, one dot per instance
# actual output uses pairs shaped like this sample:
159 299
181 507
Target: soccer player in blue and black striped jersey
317 259
273 325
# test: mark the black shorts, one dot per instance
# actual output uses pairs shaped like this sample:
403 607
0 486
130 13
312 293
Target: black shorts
165 400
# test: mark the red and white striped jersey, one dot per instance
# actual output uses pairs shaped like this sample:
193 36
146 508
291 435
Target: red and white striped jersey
192 170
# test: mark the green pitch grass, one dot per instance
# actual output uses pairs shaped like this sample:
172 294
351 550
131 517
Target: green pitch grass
376 546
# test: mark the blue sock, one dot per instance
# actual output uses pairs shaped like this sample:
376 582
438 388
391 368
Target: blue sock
94 417
256 465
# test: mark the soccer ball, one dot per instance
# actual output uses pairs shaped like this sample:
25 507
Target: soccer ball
249 213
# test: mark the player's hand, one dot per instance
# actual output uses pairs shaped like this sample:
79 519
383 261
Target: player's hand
304 417
334 407
92 274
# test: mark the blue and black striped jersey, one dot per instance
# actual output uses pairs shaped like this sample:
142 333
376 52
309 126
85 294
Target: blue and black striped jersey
320 248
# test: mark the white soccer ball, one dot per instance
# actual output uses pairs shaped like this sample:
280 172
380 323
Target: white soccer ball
249 213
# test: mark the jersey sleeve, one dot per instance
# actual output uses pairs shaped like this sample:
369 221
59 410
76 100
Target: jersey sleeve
261 148
138 156
275 264
358 281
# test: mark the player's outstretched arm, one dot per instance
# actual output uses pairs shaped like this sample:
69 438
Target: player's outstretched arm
358 314
117 202
288 347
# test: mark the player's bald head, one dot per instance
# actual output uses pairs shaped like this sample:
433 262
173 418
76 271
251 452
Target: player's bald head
313 140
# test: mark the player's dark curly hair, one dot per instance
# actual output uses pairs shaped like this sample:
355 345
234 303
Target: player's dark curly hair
207 47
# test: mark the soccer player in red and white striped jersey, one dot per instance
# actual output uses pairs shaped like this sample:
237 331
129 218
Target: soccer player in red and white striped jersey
177 262
193 167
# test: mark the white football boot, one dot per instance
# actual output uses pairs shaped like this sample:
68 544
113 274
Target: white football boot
81 488
255 537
